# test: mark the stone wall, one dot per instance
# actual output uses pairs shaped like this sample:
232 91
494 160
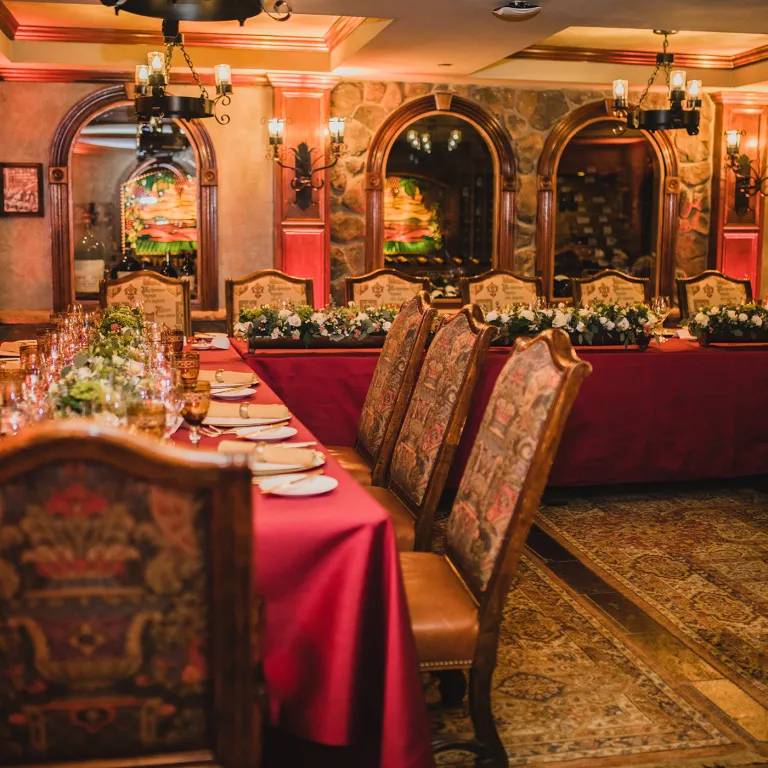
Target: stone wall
529 116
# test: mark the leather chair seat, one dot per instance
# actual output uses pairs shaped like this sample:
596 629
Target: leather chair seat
402 519
443 611
352 461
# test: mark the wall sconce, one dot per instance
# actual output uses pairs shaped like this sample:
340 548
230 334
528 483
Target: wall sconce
454 140
303 166
749 182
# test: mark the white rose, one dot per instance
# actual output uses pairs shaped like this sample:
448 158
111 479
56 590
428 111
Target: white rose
242 327
528 315
623 324
610 325
386 325
701 319
283 313
294 321
504 317
549 312
743 317
603 320
714 310
757 320
560 320
731 314
318 317
362 317
492 315
117 360
276 333
580 327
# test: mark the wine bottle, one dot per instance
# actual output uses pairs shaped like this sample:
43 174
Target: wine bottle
166 268
90 255
127 265
187 270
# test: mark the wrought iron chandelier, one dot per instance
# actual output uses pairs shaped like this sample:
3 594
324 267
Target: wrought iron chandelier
152 99
676 115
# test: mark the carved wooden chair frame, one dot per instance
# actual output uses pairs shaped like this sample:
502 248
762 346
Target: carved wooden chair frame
379 462
235 612
579 282
491 601
105 285
684 282
424 512
231 283
465 283
351 282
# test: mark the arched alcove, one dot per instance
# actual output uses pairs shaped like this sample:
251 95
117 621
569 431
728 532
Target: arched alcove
495 136
665 159
59 178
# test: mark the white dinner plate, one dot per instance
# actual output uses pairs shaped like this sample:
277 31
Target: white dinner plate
278 433
235 394
200 347
312 486
213 421
268 468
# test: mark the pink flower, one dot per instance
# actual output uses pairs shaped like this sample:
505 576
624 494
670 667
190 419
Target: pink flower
114 327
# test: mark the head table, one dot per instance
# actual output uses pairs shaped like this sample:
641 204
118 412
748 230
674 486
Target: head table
674 412
339 657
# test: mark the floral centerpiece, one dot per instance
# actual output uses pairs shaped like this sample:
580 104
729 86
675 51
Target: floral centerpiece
301 324
730 323
598 324
119 317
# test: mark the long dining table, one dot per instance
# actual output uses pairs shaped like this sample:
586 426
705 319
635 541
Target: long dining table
339 656
674 412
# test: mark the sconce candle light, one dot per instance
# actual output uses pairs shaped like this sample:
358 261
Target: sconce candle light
749 181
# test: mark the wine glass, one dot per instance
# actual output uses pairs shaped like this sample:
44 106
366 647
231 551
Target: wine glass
195 406
147 416
539 303
660 307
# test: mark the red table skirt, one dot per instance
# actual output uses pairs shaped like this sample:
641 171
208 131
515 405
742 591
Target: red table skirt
675 412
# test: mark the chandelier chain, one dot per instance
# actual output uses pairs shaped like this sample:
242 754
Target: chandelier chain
193 71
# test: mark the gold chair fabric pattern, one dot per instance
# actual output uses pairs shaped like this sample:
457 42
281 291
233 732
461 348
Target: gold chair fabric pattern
501 290
517 412
103 618
384 290
432 403
613 289
388 378
714 290
270 290
162 303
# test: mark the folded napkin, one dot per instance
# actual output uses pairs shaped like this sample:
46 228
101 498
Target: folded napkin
228 378
220 342
255 411
11 348
271 454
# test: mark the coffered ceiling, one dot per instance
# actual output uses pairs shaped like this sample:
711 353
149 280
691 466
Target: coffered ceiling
577 42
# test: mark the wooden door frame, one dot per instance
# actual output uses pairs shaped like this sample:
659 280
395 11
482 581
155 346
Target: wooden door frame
62 246
668 203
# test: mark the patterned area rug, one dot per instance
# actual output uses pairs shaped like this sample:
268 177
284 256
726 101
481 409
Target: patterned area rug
567 689
697 561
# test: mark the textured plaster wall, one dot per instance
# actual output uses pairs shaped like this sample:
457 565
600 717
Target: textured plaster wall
529 116
31 113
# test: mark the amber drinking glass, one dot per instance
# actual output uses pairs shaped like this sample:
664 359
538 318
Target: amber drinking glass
176 339
188 364
197 401
147 416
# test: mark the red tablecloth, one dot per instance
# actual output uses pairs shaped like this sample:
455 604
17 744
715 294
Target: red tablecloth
339 657
675 412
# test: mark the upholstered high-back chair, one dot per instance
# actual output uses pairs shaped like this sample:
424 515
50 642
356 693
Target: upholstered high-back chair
612 287
269 287
432 426
383 287
710 288
164 299
389 393
129 627
456 599
499 288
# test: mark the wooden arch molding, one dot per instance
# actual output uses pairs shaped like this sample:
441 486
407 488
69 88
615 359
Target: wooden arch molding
502 155
669 198
62 247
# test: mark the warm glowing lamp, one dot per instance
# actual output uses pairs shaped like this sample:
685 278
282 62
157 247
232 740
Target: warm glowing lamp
733 141
223 76
620 91
693 93
336 130
677 79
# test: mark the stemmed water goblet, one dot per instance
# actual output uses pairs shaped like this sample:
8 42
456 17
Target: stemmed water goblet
660 307
196 402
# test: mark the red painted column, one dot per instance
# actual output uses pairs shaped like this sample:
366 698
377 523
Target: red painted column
736 241
303 237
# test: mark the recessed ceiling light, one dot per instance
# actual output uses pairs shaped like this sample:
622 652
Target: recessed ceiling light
517 10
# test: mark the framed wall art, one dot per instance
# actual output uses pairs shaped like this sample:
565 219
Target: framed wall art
21 189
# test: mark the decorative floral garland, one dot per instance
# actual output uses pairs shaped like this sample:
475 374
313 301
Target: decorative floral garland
600 323
302 322
116 318
737 321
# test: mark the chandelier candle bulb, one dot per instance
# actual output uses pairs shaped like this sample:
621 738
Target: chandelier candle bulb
156 61
223 75
693 93
677 79
620 91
